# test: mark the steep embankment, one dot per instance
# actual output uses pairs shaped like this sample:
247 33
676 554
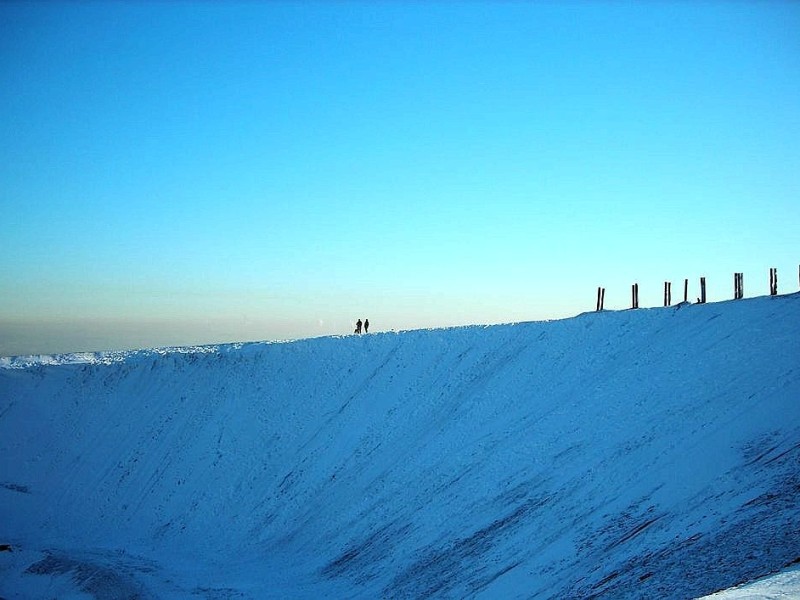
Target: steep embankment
651 453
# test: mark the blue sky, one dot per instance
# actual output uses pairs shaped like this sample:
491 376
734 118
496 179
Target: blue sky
175 173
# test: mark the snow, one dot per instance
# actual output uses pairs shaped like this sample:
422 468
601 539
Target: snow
627 454
782 586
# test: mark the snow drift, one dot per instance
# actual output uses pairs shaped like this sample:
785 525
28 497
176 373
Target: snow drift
632 454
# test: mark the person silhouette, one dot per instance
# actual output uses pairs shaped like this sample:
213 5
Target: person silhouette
366 325
358 326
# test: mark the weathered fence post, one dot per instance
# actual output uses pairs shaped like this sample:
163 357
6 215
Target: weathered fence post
667 293
685 290
702 290
738 286
601 294
773 282
635 295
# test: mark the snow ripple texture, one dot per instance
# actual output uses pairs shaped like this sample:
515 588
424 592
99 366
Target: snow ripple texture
633 454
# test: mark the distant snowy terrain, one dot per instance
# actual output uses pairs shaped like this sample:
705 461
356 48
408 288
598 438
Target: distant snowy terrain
633 454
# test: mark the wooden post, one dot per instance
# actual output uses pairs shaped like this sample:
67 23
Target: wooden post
685 290
635 295
667 293
738 286
773 282
702 290
599 299
602 297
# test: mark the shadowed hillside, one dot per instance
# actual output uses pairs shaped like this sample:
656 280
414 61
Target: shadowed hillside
634 454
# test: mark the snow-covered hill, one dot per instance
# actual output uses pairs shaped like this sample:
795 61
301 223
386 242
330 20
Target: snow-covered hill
635 454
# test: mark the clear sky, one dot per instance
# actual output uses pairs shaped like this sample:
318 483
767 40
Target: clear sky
194 172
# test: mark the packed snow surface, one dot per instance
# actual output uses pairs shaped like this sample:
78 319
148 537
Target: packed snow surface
782 586
633 454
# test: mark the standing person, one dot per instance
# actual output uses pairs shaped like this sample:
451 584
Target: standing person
366 325
358 326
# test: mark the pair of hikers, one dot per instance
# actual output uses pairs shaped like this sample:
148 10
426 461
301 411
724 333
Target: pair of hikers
365 324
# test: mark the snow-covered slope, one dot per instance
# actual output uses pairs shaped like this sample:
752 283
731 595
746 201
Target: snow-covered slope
635 454
781 586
